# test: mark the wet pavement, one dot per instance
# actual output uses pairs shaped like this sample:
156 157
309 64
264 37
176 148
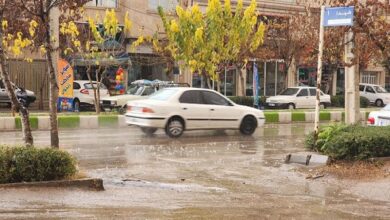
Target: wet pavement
202 175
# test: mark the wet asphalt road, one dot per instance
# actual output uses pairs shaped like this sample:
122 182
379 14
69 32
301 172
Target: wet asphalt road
202 175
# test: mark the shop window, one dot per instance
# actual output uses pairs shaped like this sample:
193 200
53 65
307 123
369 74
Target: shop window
103 3
168 5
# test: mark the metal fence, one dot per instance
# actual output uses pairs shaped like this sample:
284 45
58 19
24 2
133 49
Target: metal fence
31 76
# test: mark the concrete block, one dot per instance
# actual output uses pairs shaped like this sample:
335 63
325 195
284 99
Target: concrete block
89 121
336 116
319 159
298 158
43 122
284 117
122 121
309 116
7 123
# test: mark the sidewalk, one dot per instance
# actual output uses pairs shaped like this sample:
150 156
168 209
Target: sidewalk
87 120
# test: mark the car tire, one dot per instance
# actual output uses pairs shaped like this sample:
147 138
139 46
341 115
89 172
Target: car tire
248 125
76 105
291 106
379 103
174 127
148 131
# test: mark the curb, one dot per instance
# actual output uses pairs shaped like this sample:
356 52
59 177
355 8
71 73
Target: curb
89 184
118 121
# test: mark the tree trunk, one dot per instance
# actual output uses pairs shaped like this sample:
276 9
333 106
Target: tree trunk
95 96
53 87
23 111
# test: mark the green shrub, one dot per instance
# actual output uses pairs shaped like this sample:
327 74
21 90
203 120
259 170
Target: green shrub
21 164
354 142
338 101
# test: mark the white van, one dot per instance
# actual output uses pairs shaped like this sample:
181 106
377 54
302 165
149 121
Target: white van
376 94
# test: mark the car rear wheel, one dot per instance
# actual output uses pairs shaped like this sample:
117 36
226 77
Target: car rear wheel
248 125
379 103
291 106
174 128
148 131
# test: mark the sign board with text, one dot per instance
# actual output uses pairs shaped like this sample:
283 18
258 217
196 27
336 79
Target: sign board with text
338 16
65 86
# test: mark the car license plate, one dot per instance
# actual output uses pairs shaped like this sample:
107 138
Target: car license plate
271 104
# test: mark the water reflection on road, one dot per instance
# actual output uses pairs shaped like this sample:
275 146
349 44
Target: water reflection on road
205 174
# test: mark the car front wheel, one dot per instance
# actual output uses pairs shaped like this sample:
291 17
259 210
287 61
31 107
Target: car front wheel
248 125
174 128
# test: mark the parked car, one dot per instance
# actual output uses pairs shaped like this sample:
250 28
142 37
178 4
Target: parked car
380 118
83 93
25 96
376 94
139 89
298 97
178 109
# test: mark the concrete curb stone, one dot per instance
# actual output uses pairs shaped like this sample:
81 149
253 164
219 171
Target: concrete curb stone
43 122
89 121
284 117
7 123
91 184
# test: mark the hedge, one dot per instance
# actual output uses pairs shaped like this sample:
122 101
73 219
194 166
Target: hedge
339 100
22 164
354 142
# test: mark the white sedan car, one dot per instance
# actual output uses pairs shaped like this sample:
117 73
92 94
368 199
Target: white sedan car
380 118
178 109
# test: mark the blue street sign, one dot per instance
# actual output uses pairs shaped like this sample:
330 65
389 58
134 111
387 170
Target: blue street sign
338 16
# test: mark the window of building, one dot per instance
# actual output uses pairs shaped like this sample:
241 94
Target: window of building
103 3
168 5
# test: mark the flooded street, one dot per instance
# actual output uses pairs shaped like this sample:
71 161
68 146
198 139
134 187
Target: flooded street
202 175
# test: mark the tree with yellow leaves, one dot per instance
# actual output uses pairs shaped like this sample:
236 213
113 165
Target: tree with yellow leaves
102 44
205 41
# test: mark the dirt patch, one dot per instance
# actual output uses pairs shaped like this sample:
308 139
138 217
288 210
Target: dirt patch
360 170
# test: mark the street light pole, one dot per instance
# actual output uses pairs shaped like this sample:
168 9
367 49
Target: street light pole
319 75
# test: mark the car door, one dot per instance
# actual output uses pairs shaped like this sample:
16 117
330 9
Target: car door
222 113
370 94
193 110
302 98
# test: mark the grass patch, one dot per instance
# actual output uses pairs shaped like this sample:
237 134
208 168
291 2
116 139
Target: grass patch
271 117
108 120
68 121
298 116
324 116
33 122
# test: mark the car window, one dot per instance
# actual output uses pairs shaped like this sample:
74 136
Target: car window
163 94
76 85
212 98
379 89
303 92
148 91
290 91
88 86
313 92
361 88
369 89
191 97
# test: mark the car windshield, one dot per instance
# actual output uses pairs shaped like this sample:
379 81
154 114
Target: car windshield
289 91
379 89
135 89
163 95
